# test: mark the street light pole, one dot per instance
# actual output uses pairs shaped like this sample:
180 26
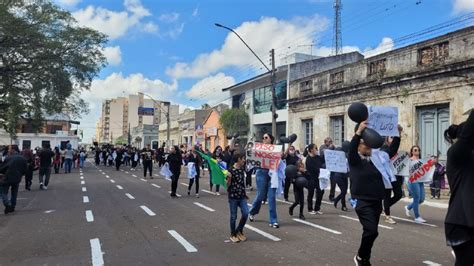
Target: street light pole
273 76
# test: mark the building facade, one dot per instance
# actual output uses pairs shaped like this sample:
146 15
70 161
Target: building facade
431 83
214 135
189 122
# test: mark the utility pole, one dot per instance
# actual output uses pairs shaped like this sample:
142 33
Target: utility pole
168 124
273 79
337 39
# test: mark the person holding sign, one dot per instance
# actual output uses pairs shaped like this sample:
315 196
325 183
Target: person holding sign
313 164
459 223
264 191
416 188
368 190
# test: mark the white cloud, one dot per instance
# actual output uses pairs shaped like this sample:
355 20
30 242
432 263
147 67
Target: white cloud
384 46
169 17
113 23
196 11
261 35
463 6
150 27
68 3
210 88
175 32
113 55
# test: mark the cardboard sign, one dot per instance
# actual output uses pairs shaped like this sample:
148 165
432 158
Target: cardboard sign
421 171
264 156
384 120
335 161
401 163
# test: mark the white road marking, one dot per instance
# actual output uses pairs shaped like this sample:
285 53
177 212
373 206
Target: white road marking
111 180
80 173
84 189
209 192
317 226
89 216
327 202
85 199
103 173
126 172
144 180
155 185
134 175
83 182
355 219
107 176
265 234
129 196
286 202
119 187
430 203
82 177
427 262
97 255
49 211
204 207
182 241
411 221
121 170
148 211
156 175
184 184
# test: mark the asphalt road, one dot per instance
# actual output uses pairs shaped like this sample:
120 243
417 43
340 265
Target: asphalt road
101 215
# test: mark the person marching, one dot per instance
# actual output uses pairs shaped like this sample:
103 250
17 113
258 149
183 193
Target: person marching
342 182
217 155
438 175
147 156
313 166
368 189
29 157
298 190
328 145
175 161
290 158
13 168
237 197
118 158
459 223
57 160
416 189
197 160
264 191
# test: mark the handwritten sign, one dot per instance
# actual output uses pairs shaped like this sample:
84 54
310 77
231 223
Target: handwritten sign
421 171
384 120
400 163
264 156
335 161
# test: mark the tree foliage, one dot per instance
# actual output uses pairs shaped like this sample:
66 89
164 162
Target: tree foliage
234 121
46 62
121 141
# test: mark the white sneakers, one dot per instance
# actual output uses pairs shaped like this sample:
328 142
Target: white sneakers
407 212
389 219
420 220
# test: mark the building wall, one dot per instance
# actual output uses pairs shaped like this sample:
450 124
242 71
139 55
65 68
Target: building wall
118 118
214 140
175 133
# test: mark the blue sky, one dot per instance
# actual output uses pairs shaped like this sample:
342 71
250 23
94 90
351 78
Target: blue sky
172 50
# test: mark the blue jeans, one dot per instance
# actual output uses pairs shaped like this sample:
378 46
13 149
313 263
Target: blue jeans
68 165
244 210
417 191
264 190
82 161
4 194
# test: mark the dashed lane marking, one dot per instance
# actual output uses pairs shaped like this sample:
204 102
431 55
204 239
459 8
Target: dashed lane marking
147 210
85 199
155 185
411 221
317 226
96 251
204 207
83 182
119 187
355 219
208 192
265 234
182 241
184 184
129 196
84 189
89 216
111 180
143 179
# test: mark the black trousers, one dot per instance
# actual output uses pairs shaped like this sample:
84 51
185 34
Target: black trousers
313 184
195 180
147 165
342 182
397 195
332 191
248 178
286 189
368 212
29 176
117 164
464 254
299 198
134 164
174 183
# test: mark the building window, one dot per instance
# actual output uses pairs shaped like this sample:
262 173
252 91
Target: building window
376 67
308 131
306 87
337 129
26 144
433 54
238 100
262 98
45 143
336 78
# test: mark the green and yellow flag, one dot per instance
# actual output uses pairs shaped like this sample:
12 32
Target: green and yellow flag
218 175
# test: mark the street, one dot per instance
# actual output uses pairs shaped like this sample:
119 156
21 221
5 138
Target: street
101 215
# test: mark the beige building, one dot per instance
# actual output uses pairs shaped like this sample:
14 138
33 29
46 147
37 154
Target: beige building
431 83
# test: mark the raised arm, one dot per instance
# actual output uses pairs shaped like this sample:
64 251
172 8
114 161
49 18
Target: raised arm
353 156
459 151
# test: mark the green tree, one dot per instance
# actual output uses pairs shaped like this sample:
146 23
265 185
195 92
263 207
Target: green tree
46 62
235 121
121 141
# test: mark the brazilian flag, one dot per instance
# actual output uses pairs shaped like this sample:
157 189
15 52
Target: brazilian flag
218 175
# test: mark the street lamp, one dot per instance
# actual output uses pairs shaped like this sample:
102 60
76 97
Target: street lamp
274 115
167 113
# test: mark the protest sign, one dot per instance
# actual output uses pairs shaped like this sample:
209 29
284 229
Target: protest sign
384 120
266 156
335 161
400 163
421 171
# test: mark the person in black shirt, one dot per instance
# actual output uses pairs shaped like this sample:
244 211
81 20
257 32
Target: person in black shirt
28 155
46 161
291 159
147 156
118 158
13 169
299 191
459 223
197 160
175 161
342 182
313 166
237 197
391 148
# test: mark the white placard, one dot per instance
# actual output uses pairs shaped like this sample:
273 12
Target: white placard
384 120
335 161
401 163
266 156
421 171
